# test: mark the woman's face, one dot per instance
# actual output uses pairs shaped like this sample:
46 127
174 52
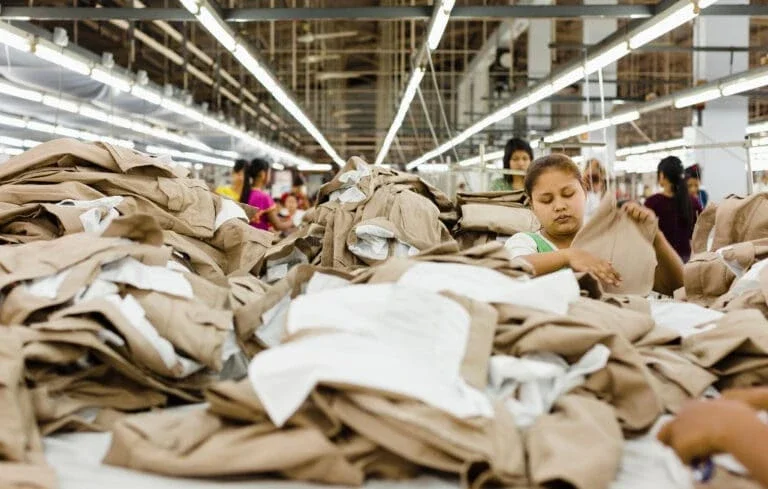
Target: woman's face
237 178
693 187
558 201
291 204
520 160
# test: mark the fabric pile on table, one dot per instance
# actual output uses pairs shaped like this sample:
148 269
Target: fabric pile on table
492 216
449 361
119 281
365 215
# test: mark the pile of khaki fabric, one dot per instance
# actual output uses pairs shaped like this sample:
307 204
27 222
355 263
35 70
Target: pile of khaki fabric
492 216
364 216
119 280
450 361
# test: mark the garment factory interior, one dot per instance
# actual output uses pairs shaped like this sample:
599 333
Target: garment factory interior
384 244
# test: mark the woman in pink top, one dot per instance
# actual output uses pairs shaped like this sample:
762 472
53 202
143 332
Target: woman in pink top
256 178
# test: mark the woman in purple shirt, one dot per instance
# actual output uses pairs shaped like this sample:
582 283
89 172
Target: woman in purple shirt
676 209
256 178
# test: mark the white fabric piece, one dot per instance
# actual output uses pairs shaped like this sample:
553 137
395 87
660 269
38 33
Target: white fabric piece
646 463
46 287
177 267
98 288
552 292
732 265
135 314
229 347
388 337
76 458
108 202
130 271
750 280
110 338
684 318
373 242
346 196
92 219
729 462
93 222
283 377
229 210
278 269
324 281
272 326
539 379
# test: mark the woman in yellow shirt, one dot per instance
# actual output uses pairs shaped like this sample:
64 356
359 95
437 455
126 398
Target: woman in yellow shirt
234 191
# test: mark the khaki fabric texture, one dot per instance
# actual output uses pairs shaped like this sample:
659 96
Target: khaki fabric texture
734 220
613 236
554 440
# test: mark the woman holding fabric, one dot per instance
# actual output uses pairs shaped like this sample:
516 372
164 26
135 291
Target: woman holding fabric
676 209
517 156
555 187
256 178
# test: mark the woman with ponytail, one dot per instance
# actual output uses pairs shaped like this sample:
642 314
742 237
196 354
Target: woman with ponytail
676 209
255 180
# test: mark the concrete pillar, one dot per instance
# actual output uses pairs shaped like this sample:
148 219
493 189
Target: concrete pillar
595 30
539 65
723 120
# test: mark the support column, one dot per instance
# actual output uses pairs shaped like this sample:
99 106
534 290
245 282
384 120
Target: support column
723 120
595 30
539 66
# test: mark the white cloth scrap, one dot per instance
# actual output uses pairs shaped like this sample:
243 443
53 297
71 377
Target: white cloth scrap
130 271
531 384
136 316
46 287
93 221
384 337
229 210
684 318
552 292
373 243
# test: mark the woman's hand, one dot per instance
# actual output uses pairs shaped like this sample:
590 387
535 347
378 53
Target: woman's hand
637 212
582 261
754 397
704 428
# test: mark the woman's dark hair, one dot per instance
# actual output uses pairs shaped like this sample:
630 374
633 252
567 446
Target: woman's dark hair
515 144
672 169
693 171
256 166
297 179
239 165
555 161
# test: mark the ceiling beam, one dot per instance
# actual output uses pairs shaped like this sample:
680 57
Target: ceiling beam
493 12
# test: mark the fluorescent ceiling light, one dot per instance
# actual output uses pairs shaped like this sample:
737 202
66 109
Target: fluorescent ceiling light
146 94
217 28
278 166
610 56
54 54
697 98
541 93
15 38
434 168
662 24
488 158
567 79
402 110
101 75
745 84
318 167
624 118
438 25
14 91
191 5
190 156
59 103
12 151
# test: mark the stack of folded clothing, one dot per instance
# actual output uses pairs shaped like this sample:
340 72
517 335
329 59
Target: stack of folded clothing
365 215
492 216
